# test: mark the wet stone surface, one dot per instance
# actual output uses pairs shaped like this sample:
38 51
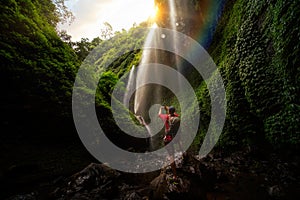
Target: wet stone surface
240 175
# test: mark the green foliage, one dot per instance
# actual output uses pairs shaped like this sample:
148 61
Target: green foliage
104 62
82 48
54 11
106 84
282 129
255 48
119 53
34 60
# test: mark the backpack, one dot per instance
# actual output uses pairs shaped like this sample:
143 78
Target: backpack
174 123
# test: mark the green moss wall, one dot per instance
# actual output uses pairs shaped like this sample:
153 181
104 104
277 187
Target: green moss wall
256 47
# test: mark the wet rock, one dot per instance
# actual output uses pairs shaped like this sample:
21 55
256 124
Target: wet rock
186 186
133 192
133 196
31 196
83 183
159 186
191 164
181 185
275 191
234 176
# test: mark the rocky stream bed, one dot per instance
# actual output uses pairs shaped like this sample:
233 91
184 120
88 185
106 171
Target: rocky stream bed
242 174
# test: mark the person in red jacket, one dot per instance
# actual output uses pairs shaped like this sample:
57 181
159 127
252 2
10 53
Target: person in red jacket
166 118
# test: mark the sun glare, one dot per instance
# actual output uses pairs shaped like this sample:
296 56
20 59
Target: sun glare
154 25
88 17
153 12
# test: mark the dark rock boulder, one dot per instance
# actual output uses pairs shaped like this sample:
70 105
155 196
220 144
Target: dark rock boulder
95 181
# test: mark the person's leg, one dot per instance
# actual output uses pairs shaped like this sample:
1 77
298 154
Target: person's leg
170 150
173 166
178 142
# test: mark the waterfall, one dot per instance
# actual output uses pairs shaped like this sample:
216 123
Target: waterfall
151 140
130 85
173 14
148 95
141 100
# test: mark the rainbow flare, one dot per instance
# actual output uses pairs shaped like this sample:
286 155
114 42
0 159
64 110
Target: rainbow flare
213 13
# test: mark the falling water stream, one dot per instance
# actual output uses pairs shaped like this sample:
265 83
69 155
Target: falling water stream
130 85
147 96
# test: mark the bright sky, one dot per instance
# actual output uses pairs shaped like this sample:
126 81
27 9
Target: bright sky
91 14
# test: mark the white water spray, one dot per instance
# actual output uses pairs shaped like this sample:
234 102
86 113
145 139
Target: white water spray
149 95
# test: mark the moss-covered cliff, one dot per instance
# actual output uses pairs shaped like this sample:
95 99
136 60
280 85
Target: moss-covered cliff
256 47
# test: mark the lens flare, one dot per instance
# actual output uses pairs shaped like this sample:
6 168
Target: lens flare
153 13
154 25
